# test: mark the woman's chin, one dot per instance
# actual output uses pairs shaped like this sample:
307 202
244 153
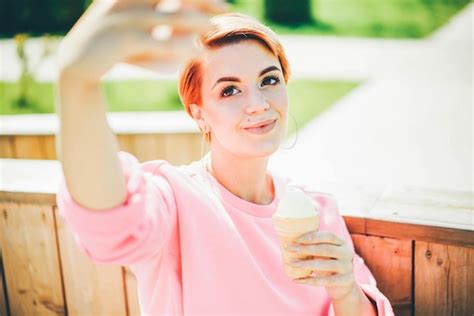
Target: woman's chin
264 149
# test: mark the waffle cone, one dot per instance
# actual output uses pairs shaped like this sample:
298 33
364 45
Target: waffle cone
288 229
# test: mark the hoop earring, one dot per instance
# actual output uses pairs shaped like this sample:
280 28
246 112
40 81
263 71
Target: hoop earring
207 137
296 136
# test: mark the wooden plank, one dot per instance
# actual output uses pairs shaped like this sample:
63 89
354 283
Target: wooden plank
4 310
26 175
28 198
7 146
182 148
132 294
126 142
90 289
29 147
31 260
390 261
425 206
444 279
49 146
374 227
148 147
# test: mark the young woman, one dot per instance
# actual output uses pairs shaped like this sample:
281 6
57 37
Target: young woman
199 238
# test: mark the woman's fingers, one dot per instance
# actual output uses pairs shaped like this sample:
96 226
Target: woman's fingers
321 250
319 237
209 6
145 19
145 47
330 280
326 265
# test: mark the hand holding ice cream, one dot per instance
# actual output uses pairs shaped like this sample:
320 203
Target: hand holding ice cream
305 249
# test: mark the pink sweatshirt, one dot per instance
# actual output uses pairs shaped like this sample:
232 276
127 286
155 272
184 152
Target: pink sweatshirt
197 249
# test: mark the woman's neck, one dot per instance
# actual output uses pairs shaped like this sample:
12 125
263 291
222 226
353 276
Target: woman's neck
246 178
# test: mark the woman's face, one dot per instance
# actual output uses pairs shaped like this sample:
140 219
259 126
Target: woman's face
243 87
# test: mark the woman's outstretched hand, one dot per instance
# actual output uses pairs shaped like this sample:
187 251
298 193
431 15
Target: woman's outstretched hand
110 32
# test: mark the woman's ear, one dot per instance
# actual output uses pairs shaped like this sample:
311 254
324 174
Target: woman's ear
196 111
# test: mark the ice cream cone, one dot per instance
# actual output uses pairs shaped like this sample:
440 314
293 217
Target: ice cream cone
288 229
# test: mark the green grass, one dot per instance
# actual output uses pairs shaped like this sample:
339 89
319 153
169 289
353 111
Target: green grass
307 98
366 18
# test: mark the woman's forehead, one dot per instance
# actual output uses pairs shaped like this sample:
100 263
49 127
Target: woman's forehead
245 57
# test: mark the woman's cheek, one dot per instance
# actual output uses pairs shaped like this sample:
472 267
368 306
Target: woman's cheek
278 97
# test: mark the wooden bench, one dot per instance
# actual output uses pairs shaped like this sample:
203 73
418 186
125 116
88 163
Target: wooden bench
418 243
169 135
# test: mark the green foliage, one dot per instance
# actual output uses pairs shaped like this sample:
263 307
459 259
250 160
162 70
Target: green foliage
309 98
296 12
365 18
26 78
37 17
27 69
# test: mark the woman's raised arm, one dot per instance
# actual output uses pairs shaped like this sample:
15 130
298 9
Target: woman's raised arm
110 32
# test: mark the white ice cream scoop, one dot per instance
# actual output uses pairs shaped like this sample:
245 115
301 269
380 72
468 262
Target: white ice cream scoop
295 204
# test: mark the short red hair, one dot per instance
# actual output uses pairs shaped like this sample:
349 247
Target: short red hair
230 28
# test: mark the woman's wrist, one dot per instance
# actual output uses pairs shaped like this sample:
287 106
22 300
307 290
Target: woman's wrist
355 302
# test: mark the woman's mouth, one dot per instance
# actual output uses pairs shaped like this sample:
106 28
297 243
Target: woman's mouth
262 129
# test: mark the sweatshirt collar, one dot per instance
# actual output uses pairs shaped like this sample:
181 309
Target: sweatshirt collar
230 199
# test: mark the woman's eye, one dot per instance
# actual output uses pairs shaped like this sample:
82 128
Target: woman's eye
228 91
271 80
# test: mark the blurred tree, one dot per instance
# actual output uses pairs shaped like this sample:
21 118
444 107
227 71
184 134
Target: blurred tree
37 17
294 12
26 79
87 3
25 76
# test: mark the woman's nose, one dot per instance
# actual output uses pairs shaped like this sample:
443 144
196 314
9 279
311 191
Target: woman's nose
257 103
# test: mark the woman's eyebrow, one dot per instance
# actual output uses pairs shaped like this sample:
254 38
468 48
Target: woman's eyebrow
235 79
268 69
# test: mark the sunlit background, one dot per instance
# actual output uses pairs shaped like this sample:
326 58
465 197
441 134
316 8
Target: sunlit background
381 101
377 71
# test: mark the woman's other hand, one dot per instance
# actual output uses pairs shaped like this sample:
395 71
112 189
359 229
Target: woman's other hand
330 259
110 32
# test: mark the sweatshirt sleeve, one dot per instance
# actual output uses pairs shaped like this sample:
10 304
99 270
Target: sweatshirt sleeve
135 231
331 220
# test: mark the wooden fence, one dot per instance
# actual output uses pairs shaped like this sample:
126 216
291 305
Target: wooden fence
418 243
168 135
424 269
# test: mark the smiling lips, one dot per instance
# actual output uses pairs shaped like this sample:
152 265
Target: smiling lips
263 127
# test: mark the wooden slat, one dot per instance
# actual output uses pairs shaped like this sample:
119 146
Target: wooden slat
49 146
28 198
7 147
132 294
3 290
182 148
425 206
395 230
126 142
444 279
148 147
390 261
29 147
31 261
90 289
